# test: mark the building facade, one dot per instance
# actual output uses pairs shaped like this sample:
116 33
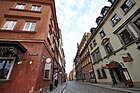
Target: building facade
83 64
29 46
115 44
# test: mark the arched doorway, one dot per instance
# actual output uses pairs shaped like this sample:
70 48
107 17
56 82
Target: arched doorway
119 74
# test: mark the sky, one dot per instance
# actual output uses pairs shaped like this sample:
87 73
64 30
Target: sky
75 17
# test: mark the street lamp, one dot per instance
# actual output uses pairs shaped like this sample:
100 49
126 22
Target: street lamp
60 76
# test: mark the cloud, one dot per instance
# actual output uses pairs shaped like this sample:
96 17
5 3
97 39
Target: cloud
75 17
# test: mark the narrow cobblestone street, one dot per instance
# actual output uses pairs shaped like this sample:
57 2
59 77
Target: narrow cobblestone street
78 87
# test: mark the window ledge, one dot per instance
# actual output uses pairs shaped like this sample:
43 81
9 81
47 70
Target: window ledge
25 10
4 80
17 31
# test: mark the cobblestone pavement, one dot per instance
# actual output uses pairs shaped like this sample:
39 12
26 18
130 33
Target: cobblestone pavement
77 87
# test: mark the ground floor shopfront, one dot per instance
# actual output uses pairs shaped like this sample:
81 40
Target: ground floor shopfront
25 67
120 69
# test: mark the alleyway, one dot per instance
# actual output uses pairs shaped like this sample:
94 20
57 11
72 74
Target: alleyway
79 87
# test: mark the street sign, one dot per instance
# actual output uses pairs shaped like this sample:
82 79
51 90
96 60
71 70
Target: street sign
48 60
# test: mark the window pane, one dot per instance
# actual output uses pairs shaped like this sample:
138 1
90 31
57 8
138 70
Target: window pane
26 26
115 19
9 25
20 6
127 5
36 8
33 26
4 68
46 74
29 26
7 67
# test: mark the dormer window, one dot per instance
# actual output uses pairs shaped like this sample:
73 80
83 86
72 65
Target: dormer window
102 34
104 10
99 19
92 30
111 1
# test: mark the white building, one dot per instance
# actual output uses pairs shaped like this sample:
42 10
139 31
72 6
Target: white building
115 44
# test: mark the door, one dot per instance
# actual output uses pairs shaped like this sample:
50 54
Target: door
128 81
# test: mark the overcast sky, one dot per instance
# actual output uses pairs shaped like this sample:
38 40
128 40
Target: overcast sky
74 18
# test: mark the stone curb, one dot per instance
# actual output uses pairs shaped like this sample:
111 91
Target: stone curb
64 87
113 88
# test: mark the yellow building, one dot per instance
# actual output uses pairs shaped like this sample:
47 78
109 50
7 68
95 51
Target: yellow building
85 61
115 44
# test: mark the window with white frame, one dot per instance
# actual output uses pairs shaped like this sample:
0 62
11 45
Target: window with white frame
127 5
9 25
20 6
29 26
115 19
36 8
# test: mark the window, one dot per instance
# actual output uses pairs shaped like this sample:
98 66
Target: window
46 74
91 74
5 66
91 47
94 43
103 73
9 25
96 56
127 5
51 20
20 6
125 36
47 68
8 56
137 23
99 74
102 34
36 8
115 19
29 26
108 48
